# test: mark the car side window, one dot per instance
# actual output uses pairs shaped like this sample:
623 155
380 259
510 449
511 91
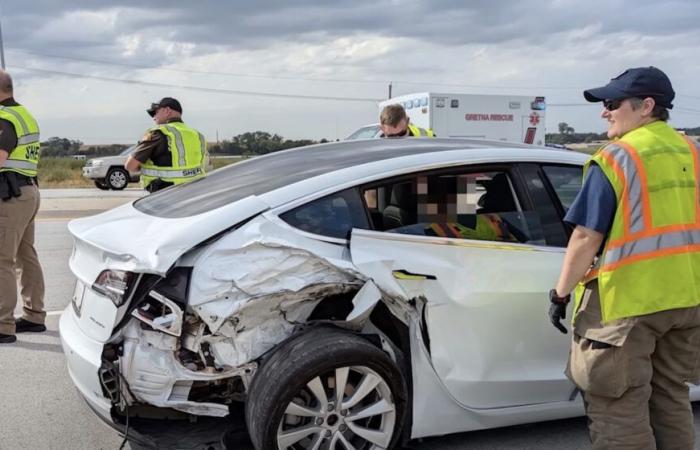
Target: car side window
334 215
566 182
479 205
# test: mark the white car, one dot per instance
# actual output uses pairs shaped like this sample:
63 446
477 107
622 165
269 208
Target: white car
367 132
320 286
108 172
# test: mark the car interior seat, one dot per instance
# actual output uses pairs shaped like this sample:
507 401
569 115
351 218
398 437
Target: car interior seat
401 208
498 196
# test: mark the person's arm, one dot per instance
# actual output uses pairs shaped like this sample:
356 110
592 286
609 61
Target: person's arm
582 248
143 151
8 140
132 164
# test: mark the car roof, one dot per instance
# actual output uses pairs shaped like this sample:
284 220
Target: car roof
284 176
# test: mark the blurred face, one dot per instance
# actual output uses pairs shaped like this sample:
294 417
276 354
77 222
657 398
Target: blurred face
398 130
622 117
162 115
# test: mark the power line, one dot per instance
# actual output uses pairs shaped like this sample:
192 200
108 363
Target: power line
199 88
279 77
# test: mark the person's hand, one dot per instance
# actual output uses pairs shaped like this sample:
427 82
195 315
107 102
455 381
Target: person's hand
557 310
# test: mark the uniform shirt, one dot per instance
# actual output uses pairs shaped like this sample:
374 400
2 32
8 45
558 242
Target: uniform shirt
154 146
8 135
595 205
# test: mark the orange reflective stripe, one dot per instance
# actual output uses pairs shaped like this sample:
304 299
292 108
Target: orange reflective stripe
653 254
696 163
646 204
438 230
623 197
591 275
651 233
455 231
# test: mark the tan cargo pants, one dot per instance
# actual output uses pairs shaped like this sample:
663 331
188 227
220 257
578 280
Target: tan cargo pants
18 258
633 373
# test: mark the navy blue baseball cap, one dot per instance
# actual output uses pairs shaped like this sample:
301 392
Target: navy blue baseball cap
638 82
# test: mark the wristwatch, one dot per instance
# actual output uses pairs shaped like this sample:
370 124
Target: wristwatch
554 298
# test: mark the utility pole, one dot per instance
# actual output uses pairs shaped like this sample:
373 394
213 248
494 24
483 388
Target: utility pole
390 89
2 47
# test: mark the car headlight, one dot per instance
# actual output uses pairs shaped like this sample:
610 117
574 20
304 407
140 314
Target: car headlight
96 162
114 285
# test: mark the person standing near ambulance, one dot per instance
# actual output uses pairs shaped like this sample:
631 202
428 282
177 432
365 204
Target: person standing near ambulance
395 123
19 203
636 319
171 152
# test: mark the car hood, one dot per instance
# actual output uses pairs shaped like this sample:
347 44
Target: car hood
130 240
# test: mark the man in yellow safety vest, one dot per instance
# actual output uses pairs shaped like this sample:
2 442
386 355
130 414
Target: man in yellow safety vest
636 319
395 123
170 152
19 203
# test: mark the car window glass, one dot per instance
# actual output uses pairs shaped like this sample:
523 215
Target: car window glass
553 228
479 205
334 215
566 181
365 132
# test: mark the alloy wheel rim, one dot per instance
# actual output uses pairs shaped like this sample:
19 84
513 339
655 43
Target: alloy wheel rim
117 179
359 414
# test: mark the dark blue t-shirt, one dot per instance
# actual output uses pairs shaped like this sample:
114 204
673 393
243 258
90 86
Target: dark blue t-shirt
595 205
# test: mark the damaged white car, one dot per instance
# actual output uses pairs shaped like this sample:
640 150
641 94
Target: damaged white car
353 295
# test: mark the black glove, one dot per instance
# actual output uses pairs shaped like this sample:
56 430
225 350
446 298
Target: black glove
557 310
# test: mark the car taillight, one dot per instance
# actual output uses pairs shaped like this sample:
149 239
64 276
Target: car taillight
113 284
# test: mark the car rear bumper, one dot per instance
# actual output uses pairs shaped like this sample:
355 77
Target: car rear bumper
84 358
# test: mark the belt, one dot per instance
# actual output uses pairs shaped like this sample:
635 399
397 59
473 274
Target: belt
24 180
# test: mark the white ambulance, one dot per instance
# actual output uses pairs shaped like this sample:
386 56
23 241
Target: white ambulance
511 118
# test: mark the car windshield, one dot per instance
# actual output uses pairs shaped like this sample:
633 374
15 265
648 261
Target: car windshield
263 174
367 132
127 151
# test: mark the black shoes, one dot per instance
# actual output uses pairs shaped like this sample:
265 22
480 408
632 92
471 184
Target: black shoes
7 338
23 326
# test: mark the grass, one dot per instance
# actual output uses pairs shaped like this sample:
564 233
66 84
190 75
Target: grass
68 172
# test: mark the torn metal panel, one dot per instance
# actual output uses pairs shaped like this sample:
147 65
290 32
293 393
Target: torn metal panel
155 376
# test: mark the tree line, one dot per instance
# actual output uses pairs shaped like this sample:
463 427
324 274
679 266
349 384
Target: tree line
567 135
249 143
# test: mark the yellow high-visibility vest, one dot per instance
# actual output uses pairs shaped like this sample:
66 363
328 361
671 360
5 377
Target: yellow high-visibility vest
24 158
420 132
187 148
651 258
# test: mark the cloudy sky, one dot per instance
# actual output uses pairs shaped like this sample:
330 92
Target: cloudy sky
315 69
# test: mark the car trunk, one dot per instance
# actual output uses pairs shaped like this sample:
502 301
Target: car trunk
125 239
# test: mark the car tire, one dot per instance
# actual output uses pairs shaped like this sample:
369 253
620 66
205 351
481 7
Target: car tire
117 178
100 184
294 388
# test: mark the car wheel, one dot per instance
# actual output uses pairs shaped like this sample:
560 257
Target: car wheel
326 388
100 184
117 178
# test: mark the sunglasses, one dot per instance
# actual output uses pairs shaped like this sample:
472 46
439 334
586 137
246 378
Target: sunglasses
612 105
399 134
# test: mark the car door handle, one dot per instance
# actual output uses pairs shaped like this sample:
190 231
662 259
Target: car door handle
406 275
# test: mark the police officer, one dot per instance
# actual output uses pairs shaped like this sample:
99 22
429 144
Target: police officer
170 152
395 123
19 158
636 328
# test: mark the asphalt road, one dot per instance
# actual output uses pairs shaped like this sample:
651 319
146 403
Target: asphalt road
40 408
